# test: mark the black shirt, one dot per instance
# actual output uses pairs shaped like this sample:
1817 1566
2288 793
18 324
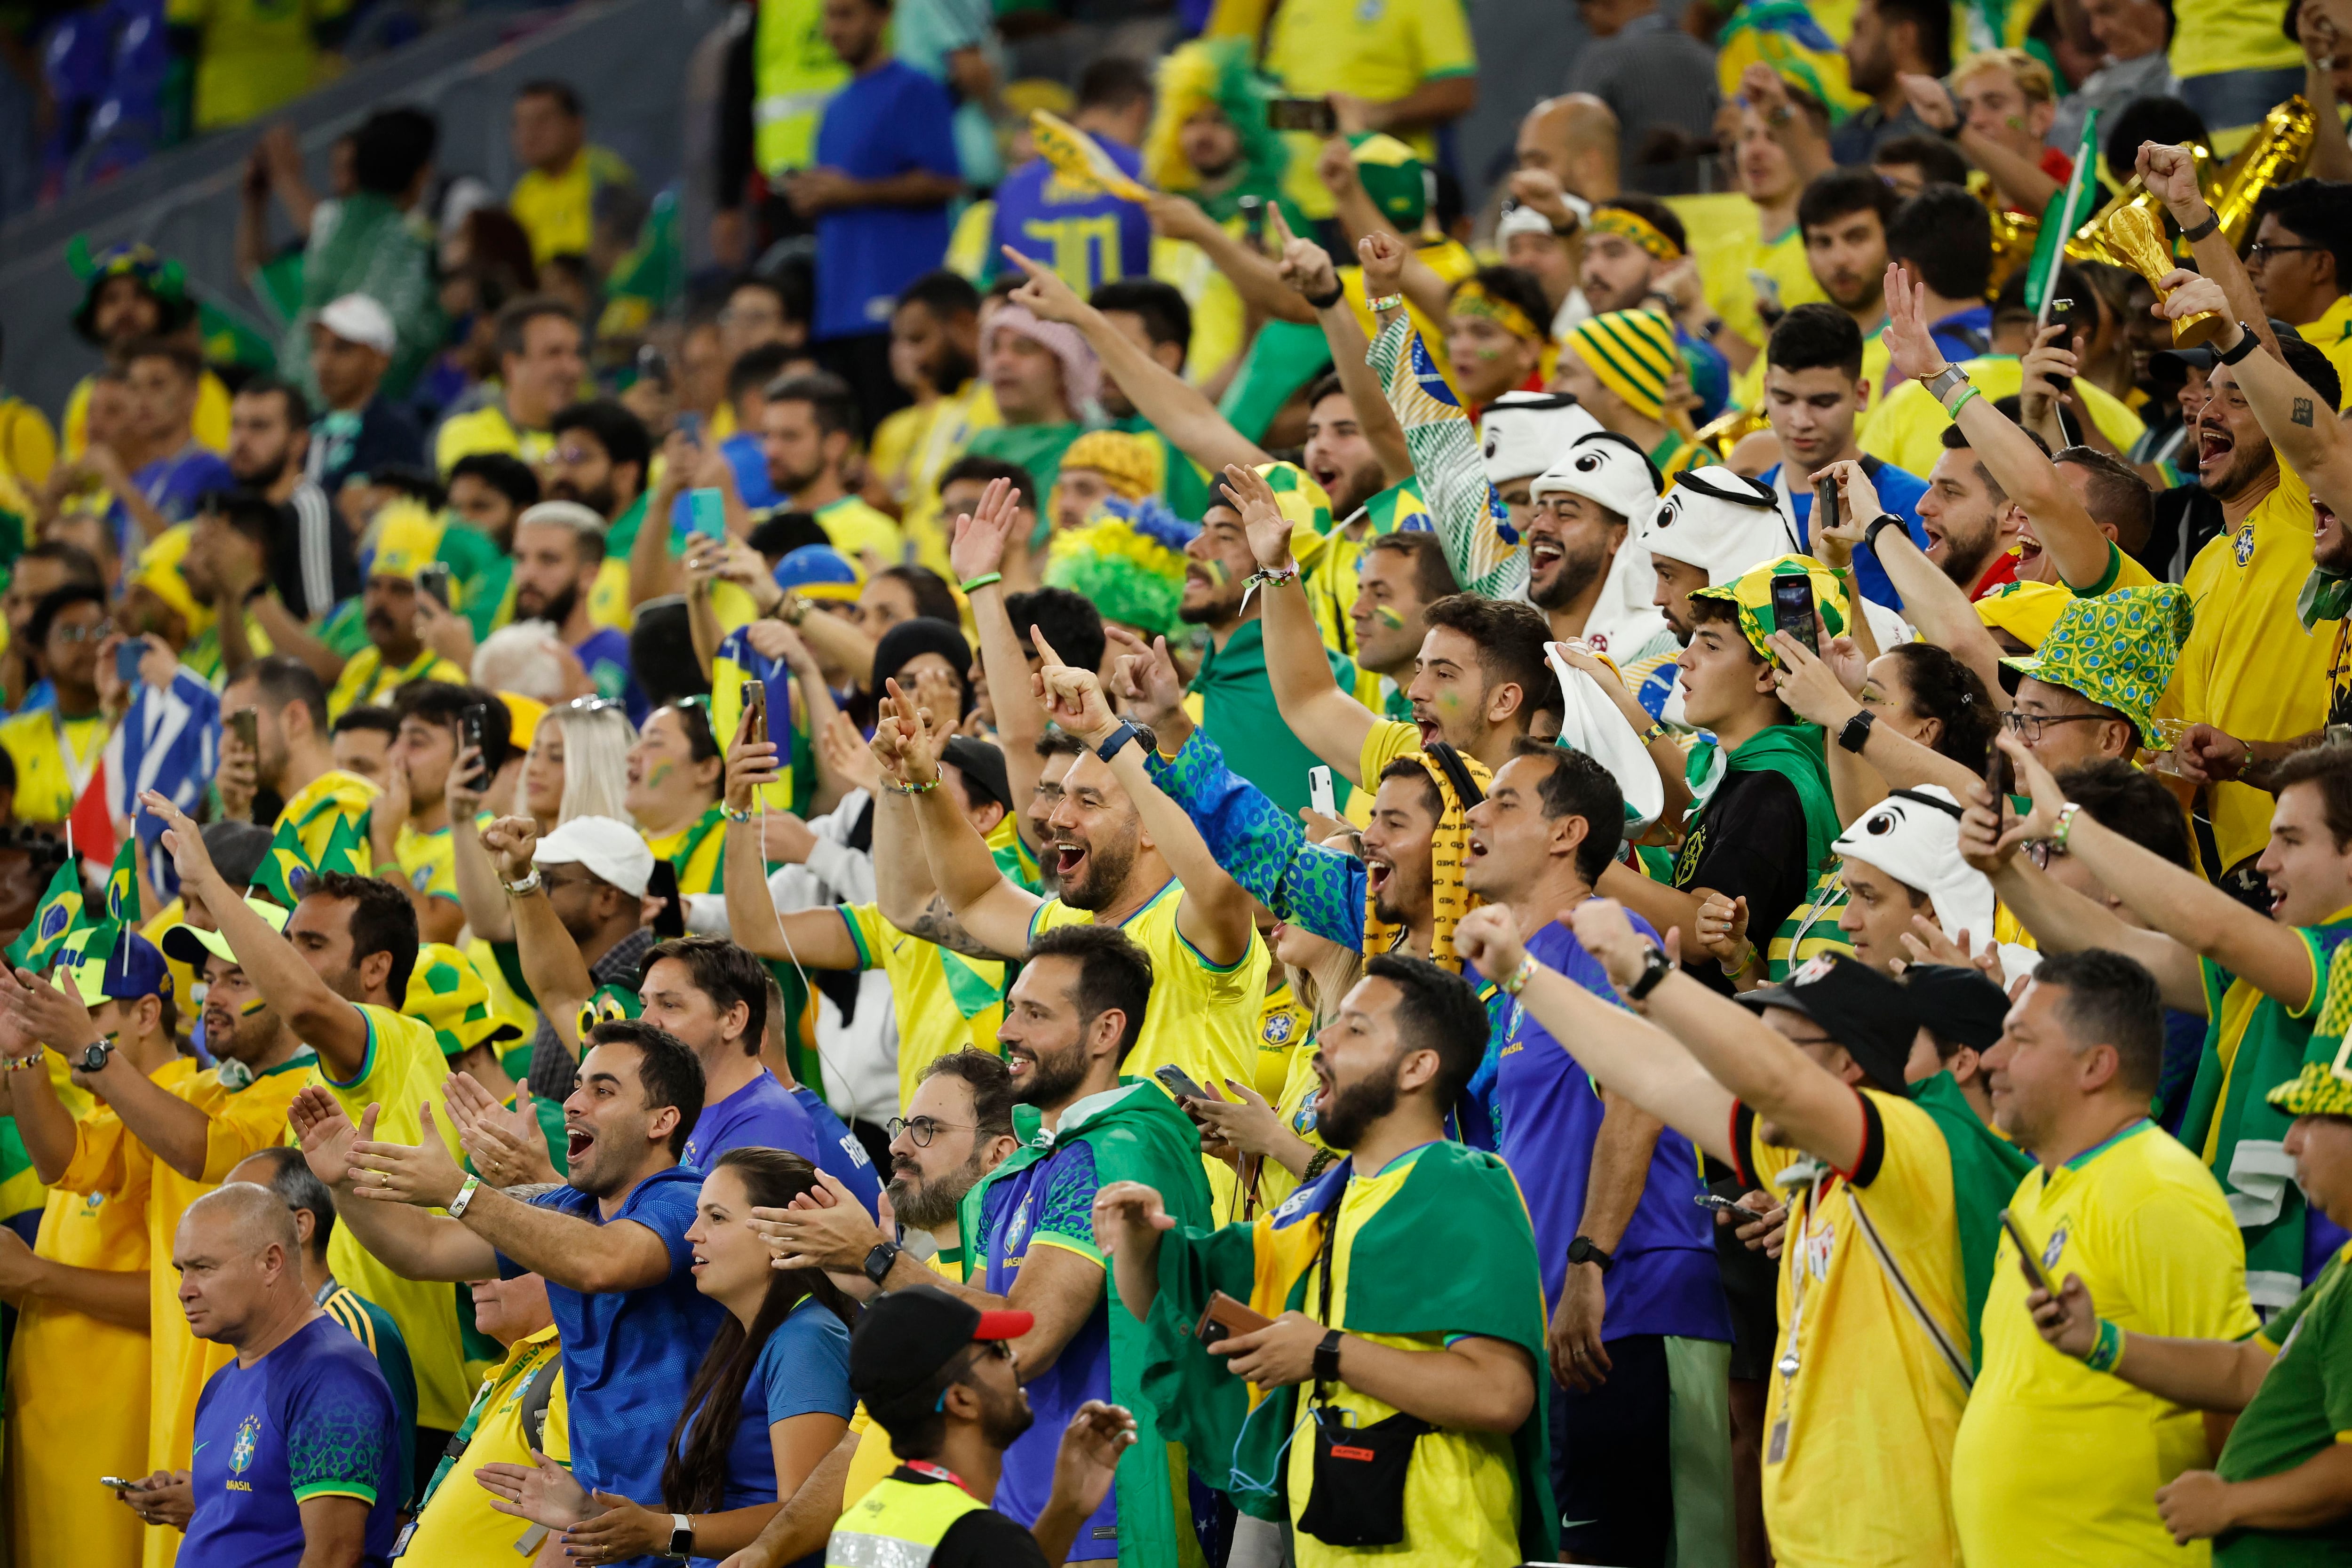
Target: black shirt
1748 843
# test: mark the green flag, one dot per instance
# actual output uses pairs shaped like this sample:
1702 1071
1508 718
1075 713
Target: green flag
2068 210
58 913
285 871
123 884
345 849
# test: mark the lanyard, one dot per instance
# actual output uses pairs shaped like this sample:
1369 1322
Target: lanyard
930 1471
1823 893
1787 1366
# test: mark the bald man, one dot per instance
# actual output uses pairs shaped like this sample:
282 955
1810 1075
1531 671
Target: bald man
1572 138
296 1463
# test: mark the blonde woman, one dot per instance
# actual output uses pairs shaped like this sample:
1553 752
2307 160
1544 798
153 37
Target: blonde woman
578 765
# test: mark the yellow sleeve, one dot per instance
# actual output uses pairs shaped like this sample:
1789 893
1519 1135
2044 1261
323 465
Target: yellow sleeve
1388 741
99 1163
247 1123
2187 1266
869 931
1442 38
1909 1195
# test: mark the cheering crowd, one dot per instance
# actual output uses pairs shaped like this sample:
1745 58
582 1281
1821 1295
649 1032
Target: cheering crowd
1205 859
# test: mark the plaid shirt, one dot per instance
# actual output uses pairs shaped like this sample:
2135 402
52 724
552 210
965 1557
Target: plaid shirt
552 1068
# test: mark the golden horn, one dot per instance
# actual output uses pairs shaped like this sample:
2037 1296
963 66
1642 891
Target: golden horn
2089 243
2134 234
2014 235
2274 154
1729 429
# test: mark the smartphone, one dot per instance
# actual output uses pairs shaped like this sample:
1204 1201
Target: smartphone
653 365
127 655
1253 211
1767 288
117 1484
1227 1315
1828 508
1793 612
1313 115
705 512
689 423
433 579
1318 791
470 724
1999 774
1178 1082
2027 1255
754 728
247 724
1722 1206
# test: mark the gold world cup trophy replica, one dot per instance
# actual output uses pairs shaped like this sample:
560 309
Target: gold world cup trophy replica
2137 236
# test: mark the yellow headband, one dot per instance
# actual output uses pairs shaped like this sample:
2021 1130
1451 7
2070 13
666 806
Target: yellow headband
1473 299
1634 227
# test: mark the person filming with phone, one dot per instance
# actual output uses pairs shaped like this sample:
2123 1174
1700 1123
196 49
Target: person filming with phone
1423 1431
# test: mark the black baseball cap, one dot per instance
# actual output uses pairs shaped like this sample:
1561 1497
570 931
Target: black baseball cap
904 1337
1871 1016
1958 1004
236 848
2206 358
982 767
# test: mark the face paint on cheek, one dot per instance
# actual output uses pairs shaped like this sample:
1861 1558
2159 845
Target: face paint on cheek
1217 573
2014 122
658 774
1388 616
248 1008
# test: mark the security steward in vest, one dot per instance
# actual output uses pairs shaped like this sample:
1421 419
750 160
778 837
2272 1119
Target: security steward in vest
941 1378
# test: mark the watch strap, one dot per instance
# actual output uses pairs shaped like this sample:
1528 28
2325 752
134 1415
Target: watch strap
1584 1249
681 1536
878 1262
1655 967
1883 520
1327 1358
1126 732
2247 342
1855 733
1940 384
2203 230
456 1209
531 884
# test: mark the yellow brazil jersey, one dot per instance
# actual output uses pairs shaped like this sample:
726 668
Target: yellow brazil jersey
2249 668
1388 739
457 1526
1204 1018
2056 1463
943 1000
857 529
1907 426
486 429
1380 49
403 1070
698 852
559 211
2122 572
2214 36
367 679
77 1386
314 808
1874 1406
107 1159
256 54
1285 1056
873 1459
1782 258
429 860
55 758
209 423
1461 1494
2332 333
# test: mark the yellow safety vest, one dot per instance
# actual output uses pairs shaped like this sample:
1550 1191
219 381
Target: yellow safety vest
794 71
898 1524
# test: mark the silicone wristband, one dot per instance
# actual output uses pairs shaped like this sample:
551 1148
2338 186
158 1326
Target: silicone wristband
982 581
2107 1350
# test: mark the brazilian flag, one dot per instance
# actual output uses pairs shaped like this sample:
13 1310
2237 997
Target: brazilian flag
58 914
285 871
122 885
345 850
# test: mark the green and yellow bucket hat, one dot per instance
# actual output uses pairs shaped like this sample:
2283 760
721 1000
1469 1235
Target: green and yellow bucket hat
449 995
1751 594
2118 649
2315 1091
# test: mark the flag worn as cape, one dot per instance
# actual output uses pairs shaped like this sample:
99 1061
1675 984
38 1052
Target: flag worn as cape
1489 1285
1986 1170
1140 1136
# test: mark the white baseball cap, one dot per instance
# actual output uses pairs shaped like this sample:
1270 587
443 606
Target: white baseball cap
611 849
357 319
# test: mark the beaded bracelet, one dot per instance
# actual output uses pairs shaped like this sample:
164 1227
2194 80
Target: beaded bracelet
1513 983
734 815
2107 1350
917 788
1386 303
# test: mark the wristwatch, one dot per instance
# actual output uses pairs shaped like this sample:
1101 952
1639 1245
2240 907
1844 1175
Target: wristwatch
1326 1357
877 1263
1883 520
1584 1250
2247 344
681 1537
1655 966
528 885
1854 734
94 1057
1126 732
1940 384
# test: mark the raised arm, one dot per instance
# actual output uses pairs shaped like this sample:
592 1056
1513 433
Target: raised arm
1254 277
1815 690
1307 268
1631 1058
1172 404
1215 916
38 1014
551 966
815 939
976 553
410 1242
2078 547
479 893
332 1026
2061 919
2019 178
982 906
2170 175
2298 421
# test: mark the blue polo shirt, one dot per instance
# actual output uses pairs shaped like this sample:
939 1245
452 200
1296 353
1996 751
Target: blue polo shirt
763 1114
1899 491
312 1418
1665 1279
628 1355
801 1370
894 120
839 1154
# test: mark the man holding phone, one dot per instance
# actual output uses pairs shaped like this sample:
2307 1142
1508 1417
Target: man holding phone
409 828
395 653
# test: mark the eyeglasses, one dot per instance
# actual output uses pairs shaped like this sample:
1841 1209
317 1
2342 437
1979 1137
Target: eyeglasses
65 632
923 1129
2260 252
593 704
2029 726
2041 851
572 457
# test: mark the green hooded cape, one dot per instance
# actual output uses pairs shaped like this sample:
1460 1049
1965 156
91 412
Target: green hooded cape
1796 752
1490 1286
1138 1135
